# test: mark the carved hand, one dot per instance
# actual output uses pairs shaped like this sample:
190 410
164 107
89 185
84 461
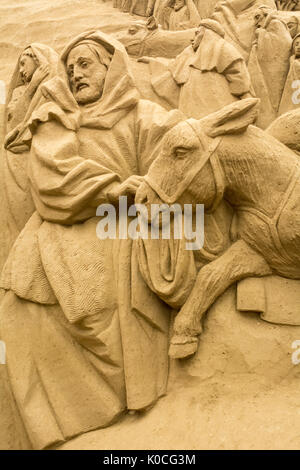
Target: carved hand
128 188
39 75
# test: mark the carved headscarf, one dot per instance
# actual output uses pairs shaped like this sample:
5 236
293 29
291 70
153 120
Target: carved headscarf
43 55
119 93
213 54
296 37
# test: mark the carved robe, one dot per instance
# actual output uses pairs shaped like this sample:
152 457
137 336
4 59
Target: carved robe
185 18
201 82
236 17
83 331
17 197
140 7
268 67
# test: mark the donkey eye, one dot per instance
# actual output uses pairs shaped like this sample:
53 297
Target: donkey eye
180 151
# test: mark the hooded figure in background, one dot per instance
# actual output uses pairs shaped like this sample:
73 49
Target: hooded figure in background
206 76
290 97
175 15
235 18
293 25
269 62
86 339
136 7
36 64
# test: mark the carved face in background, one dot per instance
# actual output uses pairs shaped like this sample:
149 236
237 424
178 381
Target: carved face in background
260 17
27 65
293 24
178 4
197 38
296 47
86 75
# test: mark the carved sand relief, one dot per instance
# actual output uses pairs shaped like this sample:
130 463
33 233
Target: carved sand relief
86 322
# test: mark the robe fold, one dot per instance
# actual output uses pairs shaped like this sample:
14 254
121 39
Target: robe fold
79 322
268 67
18 203
202 82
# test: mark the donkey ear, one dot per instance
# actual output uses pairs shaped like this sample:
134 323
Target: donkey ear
232 119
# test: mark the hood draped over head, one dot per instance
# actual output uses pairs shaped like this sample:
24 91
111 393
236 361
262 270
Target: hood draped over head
44 55
213 54
271 14
296 37
119 93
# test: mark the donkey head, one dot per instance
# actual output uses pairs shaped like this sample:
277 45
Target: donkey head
182 173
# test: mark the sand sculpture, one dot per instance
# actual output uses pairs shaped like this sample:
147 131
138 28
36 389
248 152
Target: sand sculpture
95 326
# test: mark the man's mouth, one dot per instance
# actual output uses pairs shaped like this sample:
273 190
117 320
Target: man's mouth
81 86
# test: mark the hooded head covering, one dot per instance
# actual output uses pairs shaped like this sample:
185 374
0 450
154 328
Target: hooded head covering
118 98
271 14
213 54
294 20
44 55
119 93
296 37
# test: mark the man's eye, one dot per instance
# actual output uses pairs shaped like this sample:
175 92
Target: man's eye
84 65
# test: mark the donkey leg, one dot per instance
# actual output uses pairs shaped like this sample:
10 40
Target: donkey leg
238 262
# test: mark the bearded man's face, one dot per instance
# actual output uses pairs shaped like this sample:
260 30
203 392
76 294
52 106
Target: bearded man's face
86 75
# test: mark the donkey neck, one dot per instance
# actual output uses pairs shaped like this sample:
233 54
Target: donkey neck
257 170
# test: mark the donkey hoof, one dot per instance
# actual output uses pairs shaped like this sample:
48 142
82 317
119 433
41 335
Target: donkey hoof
183 349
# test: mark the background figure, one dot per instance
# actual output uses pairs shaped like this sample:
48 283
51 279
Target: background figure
179 14
293 25
137 7
287 5
36 64
269 62
236 17
290 97
206 76
86 305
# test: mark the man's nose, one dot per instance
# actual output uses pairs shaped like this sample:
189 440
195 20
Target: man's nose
77 74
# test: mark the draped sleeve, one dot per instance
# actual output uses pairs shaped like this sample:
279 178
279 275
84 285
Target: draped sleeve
66 188
238 78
